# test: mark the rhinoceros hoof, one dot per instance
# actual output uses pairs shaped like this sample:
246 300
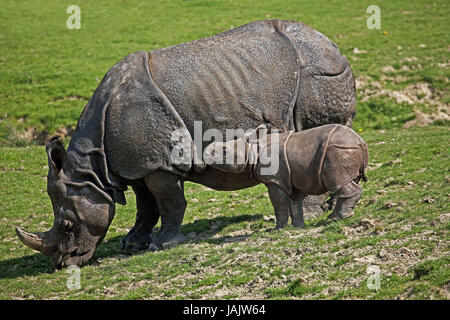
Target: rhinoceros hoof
335 217
134 246
140 242
172 242
347 214
153 247
300 225
176 240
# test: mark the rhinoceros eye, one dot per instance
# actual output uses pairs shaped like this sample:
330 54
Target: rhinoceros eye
65 225
68 225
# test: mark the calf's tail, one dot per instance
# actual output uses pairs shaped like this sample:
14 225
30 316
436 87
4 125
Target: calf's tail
365 162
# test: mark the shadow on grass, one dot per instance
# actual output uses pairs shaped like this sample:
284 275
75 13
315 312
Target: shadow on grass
25 266
217 224
207 228
37 264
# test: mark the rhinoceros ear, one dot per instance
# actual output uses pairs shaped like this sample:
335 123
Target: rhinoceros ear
57 155
119 197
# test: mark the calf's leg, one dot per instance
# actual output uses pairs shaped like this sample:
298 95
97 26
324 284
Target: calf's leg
296 211
280 201
346 199
169 194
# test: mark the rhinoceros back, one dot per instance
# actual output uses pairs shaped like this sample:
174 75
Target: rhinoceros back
237 79
257 73
282 73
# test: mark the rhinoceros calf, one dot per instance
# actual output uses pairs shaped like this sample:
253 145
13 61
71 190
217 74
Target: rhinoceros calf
280 73
327 158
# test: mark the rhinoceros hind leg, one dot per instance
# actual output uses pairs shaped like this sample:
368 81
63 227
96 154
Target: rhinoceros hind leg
140 236
346 199
312 206
329 203
169 194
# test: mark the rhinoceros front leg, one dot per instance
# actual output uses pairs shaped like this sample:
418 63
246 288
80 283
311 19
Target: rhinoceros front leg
286 206
296 210
147 217
168 190
280 202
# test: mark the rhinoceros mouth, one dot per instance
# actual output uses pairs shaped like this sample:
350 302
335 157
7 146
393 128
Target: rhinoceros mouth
73 258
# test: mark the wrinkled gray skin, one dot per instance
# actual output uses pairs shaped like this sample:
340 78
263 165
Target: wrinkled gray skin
330 158
280 73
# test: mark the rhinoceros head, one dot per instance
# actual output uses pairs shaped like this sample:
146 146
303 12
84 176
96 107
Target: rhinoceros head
82 213
229 156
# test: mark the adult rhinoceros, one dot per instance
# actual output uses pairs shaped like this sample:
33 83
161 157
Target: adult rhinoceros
280 73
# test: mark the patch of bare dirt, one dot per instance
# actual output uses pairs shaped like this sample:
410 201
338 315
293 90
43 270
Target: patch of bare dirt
31 134
394 79
418 93
412 94
357 51
423 119
69 98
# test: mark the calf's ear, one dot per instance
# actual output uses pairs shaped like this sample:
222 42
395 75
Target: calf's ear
57 156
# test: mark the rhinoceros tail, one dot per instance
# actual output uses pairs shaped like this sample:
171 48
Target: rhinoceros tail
365 154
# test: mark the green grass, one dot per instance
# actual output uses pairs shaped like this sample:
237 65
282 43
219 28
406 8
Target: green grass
47 74
237 254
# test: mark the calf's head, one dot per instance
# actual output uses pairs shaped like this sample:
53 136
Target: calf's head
82 215
229 156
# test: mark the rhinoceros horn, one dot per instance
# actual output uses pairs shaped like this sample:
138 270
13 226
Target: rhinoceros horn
40 241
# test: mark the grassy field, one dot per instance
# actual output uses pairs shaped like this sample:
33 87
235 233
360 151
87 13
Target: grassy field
48 72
